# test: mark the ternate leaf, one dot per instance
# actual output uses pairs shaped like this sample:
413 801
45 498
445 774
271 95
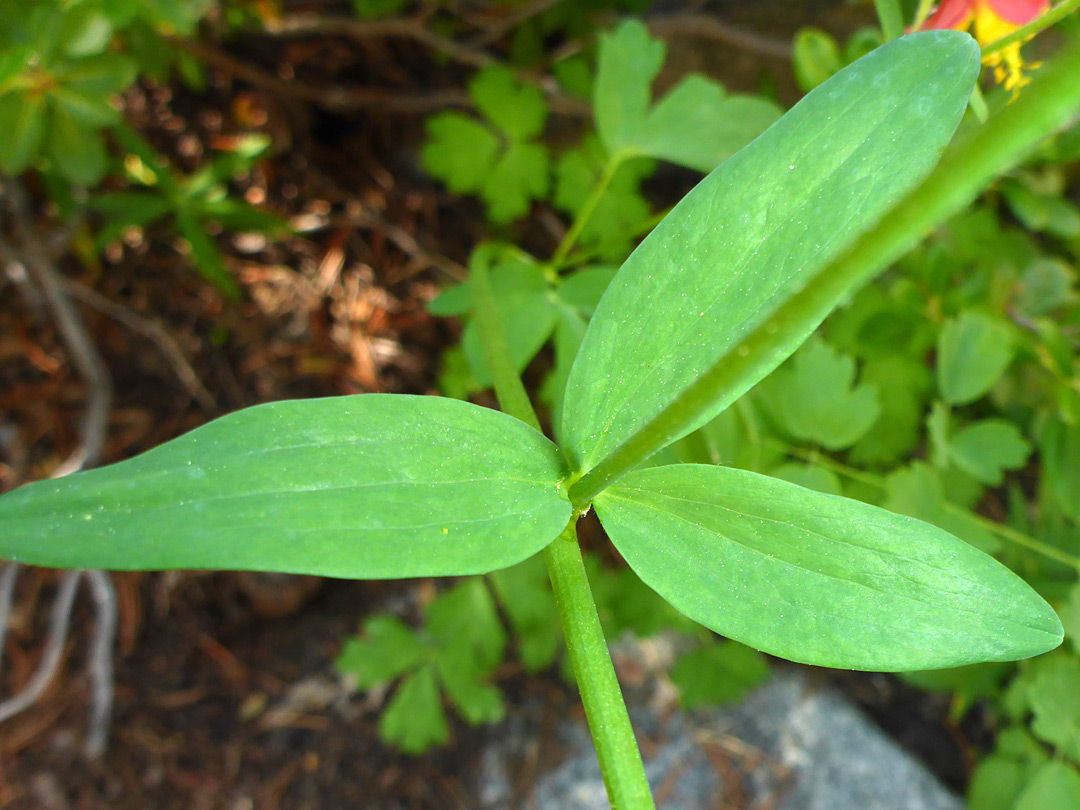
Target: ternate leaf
985 449
371 486
1055 786
817 578
756 231
814 397
973 351
415 719
696 124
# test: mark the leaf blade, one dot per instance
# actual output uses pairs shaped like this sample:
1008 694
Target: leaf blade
769 218
816 578
373 486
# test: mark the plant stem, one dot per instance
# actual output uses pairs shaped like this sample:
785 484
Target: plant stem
1051 17
921 13
891 18
1048 103
609 722
508 388
587 210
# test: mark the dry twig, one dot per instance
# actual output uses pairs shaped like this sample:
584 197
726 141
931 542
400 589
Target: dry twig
333 97
706 26
154 332
26 249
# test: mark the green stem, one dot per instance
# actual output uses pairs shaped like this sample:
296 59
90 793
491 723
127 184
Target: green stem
923 11
586 255
1051 17
891 18
1048 103
609 722
1007 533
587 210
508 387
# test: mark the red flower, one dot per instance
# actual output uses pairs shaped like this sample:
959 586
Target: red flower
993 20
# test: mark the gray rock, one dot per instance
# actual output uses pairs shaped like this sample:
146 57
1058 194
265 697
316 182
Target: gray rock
787 746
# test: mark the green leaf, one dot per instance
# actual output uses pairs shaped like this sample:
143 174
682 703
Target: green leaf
453 301
584 288
816 56
1054 697
525 594
974 349
569 332
478 702
985 449
22 129
101 75
758 230
816 578
918 492
1042 212
455 378
87 110
1055 787
625 604
1060 447
506 169
465 625
414 720
205 255
621 209
236 215
967 684
1069 612
519 176
805 475
714 674
996 783
695 125
460 151
903 385
465 620
814 397
1046 286
522 298
699 126
77 151
131 207
629 59
375 486
387 650
518 110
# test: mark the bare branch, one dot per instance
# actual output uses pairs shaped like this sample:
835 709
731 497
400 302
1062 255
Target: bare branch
333 98
54 648
101 660
8 576
39 265
151 330
706 26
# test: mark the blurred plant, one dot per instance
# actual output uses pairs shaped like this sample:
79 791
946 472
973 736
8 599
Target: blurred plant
190 204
